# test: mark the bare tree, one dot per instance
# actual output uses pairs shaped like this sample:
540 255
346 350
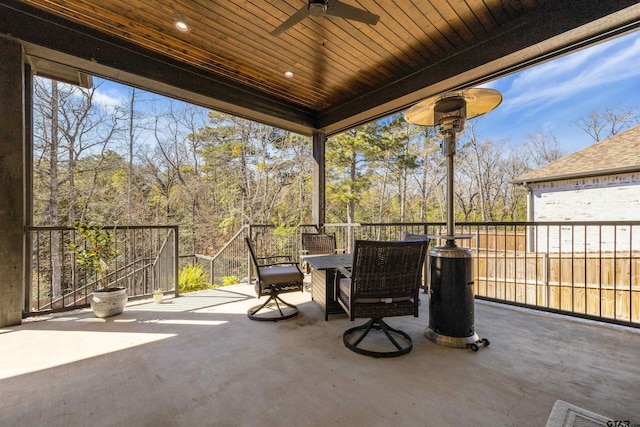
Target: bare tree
429 176
513 196
600 125
543 148
134 128
67 125
481 170
46 140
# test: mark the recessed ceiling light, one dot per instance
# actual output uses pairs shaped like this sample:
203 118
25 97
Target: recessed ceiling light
288 74
181 26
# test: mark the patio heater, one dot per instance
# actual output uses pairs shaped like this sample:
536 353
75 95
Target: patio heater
451 297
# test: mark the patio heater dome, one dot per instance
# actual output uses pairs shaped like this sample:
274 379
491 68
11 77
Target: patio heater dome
439 110
448 113
451 297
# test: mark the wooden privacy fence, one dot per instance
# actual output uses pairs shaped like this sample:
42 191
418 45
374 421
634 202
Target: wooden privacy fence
606 286
594 284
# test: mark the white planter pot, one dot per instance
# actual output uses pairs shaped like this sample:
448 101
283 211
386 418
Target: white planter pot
157 298
109 302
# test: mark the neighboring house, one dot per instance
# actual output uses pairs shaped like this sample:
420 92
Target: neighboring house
599 183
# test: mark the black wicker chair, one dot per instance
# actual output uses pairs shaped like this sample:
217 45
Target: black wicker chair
273 279
317 244
383 282
425 270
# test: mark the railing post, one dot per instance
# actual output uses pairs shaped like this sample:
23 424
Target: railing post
176 264
249 268
212 271
545 258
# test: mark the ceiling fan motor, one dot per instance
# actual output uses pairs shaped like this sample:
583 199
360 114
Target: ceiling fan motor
317 7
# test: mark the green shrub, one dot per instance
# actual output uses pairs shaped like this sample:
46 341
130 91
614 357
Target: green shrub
192 278
230 280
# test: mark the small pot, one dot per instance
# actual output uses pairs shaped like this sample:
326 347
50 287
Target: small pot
157 298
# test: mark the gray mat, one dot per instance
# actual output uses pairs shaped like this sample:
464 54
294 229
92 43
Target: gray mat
565 414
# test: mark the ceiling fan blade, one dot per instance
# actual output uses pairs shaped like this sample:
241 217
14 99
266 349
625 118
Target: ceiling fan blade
291 21
337 8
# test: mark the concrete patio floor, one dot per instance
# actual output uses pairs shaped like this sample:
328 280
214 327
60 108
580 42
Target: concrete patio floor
198 361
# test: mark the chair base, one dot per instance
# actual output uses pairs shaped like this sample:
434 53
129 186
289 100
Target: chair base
275 312
403 347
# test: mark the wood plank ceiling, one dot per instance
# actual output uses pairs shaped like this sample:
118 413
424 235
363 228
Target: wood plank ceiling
344 72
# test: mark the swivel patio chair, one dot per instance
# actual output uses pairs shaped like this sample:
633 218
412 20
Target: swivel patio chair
273 279
383 282
317 244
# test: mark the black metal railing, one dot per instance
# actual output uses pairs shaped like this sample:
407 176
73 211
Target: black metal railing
147 260
585 269
229 264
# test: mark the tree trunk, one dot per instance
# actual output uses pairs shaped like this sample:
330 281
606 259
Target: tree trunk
56 271
132 101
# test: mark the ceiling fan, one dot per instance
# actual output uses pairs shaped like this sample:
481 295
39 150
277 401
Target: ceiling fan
318 8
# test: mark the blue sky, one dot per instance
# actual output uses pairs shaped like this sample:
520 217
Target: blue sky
552 96
549 97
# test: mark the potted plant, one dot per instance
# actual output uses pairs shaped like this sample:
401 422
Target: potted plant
157 296
94 254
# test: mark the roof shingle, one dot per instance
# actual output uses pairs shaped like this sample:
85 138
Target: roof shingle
617 154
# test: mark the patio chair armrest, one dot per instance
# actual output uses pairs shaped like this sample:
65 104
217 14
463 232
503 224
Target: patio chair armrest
273 264
345 271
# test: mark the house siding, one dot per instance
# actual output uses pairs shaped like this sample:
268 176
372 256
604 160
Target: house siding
603 198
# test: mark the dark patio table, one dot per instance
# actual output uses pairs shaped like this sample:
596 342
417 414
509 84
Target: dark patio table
323 278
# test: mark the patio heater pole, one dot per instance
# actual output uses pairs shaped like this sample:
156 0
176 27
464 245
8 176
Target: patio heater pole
451 297
449 149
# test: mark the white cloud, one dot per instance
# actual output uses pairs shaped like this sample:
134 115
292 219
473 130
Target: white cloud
108 99
553 95
558 80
